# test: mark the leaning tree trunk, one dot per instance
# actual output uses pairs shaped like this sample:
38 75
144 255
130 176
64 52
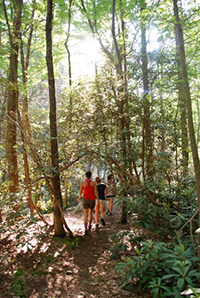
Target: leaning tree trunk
181 52
12 103
58 224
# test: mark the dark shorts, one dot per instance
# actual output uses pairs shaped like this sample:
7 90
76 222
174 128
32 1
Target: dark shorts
110 197
88 204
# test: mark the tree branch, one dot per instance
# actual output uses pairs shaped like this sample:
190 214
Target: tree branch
193 216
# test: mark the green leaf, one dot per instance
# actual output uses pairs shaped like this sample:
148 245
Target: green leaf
187 268
189 281
180 283
177 269
168 276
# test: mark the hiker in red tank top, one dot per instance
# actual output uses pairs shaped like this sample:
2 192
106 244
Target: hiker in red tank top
89 189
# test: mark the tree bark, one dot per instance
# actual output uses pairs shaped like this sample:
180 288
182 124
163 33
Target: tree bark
122 96
66 43
181 53
147 143
58 224
25 119
69 63
184 132
12 103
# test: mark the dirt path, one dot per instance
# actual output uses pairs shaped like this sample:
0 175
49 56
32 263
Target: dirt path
56 270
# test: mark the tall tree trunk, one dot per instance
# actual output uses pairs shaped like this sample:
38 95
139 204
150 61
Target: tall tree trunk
2 164
58 224
66 44
121 102
181 52
147 143
69 62
12 103
25 118
184 133
126 97
198 109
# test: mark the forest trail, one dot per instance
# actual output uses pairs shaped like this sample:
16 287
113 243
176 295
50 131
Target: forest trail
58 270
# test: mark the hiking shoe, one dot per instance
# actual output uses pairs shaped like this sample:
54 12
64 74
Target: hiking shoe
86 232
103 222
111 213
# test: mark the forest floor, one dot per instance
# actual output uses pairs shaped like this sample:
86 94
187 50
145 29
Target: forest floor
59 268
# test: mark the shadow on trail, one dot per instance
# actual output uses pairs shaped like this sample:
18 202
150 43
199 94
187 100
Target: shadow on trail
59 268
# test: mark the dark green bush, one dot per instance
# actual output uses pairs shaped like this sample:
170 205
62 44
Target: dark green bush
166 271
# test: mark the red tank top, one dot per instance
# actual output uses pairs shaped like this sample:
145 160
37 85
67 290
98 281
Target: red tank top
89 191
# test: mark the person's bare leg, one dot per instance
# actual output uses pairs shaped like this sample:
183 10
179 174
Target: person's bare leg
102 212
90 218
108 205
111 205
85 219
103 215
97 214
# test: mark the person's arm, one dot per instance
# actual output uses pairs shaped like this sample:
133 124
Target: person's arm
106 190
80 192
115 188
96 194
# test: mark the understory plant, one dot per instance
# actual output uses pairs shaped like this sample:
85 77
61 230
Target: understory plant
19 284
168 267
19 226
166 271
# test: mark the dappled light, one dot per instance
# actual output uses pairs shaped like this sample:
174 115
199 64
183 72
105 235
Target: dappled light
81 265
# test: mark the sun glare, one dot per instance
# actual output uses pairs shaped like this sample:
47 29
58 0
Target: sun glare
86 54
91 49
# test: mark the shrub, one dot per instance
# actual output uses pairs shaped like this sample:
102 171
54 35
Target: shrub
166 271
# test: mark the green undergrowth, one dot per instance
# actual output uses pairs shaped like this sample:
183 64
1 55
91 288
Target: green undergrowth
19 284
160 254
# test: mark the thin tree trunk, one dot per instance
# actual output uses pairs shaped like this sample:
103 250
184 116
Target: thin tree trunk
66 198
58 224
198 110
27 181
66 44
2 133
121 103
146 105
25 119
69 63
184 133
126 97
181 52
12 103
